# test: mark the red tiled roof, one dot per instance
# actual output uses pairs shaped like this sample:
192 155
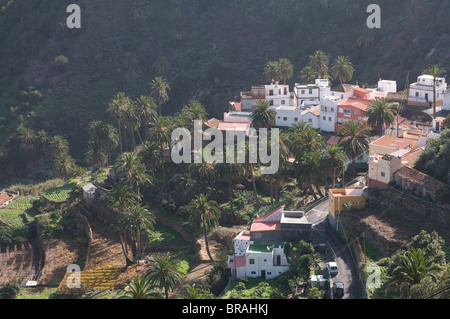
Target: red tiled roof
393 142
362 90
265 226
334 140
4 197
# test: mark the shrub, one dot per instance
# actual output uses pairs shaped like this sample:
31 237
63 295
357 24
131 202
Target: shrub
10 290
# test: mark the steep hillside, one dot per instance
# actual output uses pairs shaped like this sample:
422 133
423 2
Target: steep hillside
214 49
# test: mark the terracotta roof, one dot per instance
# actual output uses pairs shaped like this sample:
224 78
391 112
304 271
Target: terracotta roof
412 156
4 197
414 176
334 140
396 97
358 103
212 123
393 142
440 119
265 226
365 91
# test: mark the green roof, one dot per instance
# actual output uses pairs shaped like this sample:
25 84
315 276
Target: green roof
265 247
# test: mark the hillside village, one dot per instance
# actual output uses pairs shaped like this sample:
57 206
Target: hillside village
338 197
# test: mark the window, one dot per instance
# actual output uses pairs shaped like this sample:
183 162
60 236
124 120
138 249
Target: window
303 92
324 118
265 260
251 261
269 273
310 120
295 119
283 102
341 110
253 272
356 203
271 103
271 92
285 118
347 113
310 91
383 174
355 112
332 109
417 94
329 119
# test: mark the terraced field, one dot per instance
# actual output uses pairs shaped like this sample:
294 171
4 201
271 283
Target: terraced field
59 194
14 213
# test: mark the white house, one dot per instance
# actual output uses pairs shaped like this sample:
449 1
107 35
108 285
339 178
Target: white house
421 92
446 106
306 94
328 113
275 93
260 252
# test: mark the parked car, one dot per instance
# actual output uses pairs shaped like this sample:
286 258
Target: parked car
338 289
332 268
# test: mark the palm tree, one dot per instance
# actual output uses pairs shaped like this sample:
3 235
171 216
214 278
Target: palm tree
159 133
141 288
319 63
120 226
303 139
115 110
162 66
105 135
229 172
120 197
355 140
27 138
308 75
59 145
165 273
271 71
342 69
96 154
411 269
262 116
150 157
282 174
138 217
436 71
134 169
204 214
64 166
160 89
335 159
285 69
147 110
365 39
194 293
194 110
203 174
380 115
309 171
131 120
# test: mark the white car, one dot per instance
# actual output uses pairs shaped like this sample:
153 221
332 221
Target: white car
332 268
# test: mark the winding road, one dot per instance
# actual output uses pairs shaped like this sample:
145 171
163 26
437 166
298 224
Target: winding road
348 273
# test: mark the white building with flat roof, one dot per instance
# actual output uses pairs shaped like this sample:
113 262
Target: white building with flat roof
421 92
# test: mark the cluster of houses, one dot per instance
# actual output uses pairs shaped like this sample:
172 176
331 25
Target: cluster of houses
260 252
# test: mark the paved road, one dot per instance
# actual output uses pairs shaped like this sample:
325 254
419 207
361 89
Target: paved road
347 271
